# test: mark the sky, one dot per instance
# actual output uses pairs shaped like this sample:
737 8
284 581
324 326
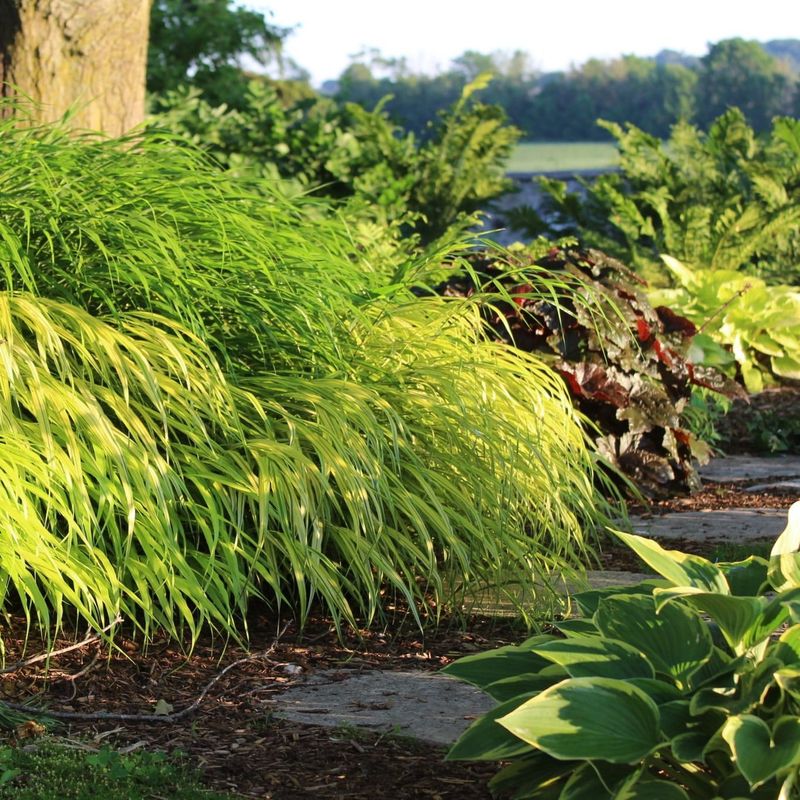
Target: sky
556 33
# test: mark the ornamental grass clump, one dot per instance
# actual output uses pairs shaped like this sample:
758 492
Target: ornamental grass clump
210 394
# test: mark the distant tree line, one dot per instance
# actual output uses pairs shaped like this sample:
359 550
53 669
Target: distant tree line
763 80
204 45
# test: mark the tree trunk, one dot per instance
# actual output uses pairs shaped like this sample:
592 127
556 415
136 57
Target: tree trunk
89 55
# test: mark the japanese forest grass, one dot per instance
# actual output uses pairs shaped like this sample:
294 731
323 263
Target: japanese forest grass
209 395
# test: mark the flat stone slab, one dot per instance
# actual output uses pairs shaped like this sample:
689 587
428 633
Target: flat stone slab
777 486
733 525
426 706
604 579
730 469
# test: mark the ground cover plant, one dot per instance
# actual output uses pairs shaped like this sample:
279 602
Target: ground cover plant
212 394
624 362
57 770
684 686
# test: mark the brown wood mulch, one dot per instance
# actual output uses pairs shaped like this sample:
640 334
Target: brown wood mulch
232 737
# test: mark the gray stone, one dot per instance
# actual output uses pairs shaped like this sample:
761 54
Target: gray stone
734 525
778 486
603 579
426 706
742 468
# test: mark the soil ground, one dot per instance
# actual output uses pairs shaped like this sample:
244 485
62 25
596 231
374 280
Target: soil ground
232 738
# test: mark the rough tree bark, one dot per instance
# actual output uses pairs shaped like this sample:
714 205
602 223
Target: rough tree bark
88 54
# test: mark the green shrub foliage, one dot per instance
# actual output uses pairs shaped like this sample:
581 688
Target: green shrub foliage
211 394
725 200
623 361
348 153
685 686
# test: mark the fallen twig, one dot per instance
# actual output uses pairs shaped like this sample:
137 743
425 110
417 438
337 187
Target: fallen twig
92 637
174 717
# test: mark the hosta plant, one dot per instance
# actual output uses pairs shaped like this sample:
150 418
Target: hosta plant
748 326
684 686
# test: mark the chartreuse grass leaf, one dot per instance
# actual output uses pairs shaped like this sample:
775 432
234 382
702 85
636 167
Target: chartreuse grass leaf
681 569
676 641
784 560
587 656
761 753
591 718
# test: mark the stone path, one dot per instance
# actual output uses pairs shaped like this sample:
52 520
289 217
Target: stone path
436 709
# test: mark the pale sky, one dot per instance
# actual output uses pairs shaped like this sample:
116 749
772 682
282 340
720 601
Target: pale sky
556 33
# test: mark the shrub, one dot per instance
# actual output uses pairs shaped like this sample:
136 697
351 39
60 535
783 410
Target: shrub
684 686
624 362
725 200
350 154
212 394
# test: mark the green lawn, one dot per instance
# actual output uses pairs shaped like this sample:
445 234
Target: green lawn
562 156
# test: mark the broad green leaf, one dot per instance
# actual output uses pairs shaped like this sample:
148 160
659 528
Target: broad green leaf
759 753
534 775
689 747
788 678
589 718
486 740
680 569
720 666
784 562
787 648
659 691
588 656
674 717
743 621
589 600
649 788
576 627
592 781
675 641
746 578
509 688
482 669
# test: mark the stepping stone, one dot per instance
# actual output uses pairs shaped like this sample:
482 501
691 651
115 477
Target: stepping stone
733 525
778 486
604 579
426 706
744 468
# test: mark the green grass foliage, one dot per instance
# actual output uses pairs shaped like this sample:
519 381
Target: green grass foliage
211 394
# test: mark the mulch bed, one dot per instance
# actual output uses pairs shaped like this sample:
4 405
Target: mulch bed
233 739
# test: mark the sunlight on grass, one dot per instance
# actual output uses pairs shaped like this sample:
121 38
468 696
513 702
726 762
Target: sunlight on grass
212 394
